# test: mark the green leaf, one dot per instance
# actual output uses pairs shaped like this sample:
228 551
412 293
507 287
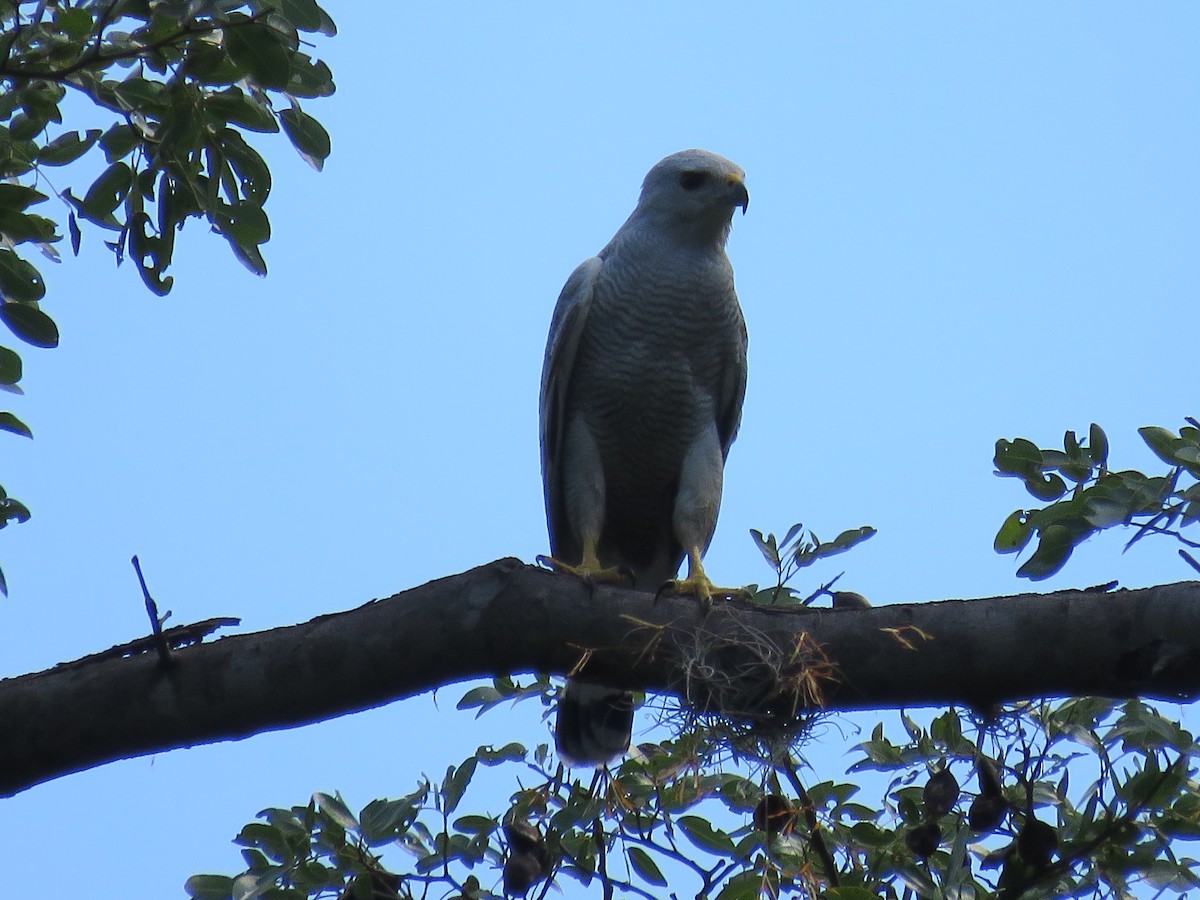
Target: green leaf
233 106
209 887
645 867
1104 512
384 820
76 23
701 833
1098 445
258 51
10 366
19 280
106 194
1016 457
257 884
455 784
151 253
304 14
479 696
29 323
267 838
742 886
210 65
119 141
310 78
476 824
19 196
12 510
311 876
20 227
9 422
76 234
328 28
1014 533
25 127
1055 543
140 93
16 155
1161 441
510 752
839 544
767 547
336 810
286 32
1022 459
249 166
1176 451
245 226
307 135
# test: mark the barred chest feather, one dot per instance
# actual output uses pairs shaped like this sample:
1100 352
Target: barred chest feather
649 367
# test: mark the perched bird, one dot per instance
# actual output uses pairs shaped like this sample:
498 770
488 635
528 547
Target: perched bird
641 398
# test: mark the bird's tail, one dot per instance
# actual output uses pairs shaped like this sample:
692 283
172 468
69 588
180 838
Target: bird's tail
594 723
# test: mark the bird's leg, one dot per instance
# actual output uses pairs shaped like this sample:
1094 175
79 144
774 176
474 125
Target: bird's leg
590 570
699 585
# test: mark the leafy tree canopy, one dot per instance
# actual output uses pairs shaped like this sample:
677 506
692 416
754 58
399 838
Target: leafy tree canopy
185 82
1080 797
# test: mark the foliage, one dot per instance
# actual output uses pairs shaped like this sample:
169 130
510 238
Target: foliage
1077 798
798 550
1098 497
180 83
1083 797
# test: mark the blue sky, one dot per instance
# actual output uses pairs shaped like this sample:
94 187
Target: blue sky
967 222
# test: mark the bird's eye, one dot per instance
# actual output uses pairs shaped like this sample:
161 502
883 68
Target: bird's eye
689 181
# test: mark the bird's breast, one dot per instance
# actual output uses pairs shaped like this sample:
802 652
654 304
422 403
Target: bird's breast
649 366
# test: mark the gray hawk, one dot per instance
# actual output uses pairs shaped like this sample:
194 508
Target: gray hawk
641 397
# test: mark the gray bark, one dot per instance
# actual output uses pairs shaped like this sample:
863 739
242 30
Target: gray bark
759 664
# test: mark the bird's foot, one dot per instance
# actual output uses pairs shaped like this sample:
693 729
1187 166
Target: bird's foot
591 575
702 588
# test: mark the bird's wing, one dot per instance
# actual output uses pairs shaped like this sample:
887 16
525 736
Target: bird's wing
570 315
732 392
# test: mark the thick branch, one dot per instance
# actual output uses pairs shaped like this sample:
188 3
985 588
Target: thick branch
507 617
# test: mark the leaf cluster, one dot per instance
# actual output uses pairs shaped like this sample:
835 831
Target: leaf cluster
323 849
1084 496
677 814
799 549
178 84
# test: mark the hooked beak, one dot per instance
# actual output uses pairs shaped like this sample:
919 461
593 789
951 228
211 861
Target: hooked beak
741 196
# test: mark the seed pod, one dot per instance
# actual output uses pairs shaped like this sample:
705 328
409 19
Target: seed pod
523 837
521 870
923 840
940 794
1037 843
986 813
774 814
850 600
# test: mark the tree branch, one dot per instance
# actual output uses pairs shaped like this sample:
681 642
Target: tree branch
507 617
95 59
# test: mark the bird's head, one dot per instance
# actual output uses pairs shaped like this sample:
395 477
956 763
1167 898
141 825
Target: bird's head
696 189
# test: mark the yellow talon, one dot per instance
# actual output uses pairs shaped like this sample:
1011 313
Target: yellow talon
590 571
699 585
590 574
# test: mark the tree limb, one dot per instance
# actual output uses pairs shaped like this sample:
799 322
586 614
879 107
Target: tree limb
507 617
95 59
